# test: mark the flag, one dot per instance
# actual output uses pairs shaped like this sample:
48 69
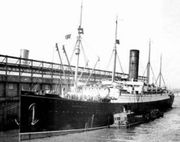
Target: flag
68 36
117 41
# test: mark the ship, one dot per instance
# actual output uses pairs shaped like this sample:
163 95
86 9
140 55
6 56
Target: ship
91 106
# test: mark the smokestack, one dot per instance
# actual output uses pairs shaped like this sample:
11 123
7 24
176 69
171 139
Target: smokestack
24 53
133 65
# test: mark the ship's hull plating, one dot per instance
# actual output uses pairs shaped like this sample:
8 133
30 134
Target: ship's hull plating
43 113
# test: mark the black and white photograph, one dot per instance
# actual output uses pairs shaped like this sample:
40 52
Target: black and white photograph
89 71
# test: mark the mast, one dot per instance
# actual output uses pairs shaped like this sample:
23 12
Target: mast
160 73
115 52
160 76
149 64
77 52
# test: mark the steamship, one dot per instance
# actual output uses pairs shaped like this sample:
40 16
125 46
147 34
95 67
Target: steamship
92 106
89 106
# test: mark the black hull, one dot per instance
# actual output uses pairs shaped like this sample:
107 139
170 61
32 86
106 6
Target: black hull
54 113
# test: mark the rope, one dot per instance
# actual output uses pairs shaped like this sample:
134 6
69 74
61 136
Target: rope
120 64
85 57
109 61
73 51
152 72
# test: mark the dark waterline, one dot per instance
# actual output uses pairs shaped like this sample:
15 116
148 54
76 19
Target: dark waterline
165 129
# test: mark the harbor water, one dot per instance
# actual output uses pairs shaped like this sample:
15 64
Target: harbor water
165 129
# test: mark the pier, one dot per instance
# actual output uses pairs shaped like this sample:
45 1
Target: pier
18 74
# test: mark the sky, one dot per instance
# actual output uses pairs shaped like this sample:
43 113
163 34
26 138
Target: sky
37 25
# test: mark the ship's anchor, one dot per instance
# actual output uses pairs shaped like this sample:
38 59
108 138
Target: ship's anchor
17 122
33 120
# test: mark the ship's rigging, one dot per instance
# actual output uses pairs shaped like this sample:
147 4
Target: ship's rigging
160 76
149 68
115 54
